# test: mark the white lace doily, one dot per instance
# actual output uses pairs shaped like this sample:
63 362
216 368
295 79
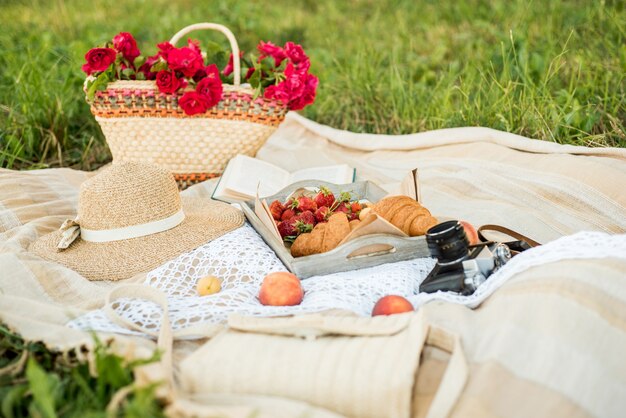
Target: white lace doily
242 259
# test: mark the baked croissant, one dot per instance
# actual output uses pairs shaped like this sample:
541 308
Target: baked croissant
405 214
324 237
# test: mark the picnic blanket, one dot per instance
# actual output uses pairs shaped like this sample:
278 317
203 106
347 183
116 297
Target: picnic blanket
549 341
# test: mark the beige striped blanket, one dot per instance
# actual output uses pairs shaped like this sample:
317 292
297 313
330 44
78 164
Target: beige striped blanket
550 342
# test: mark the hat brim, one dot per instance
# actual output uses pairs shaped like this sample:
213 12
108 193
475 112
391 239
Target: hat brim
205 220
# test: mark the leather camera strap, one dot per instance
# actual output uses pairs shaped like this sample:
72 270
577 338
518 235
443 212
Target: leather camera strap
507 231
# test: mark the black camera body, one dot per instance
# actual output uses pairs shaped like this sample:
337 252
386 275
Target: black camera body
460 268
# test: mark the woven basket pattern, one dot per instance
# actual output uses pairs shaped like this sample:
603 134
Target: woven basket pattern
141 124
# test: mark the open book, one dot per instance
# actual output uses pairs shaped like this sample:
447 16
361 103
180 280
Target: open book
244 174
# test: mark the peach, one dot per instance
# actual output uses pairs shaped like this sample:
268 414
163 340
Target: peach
470 231
391 304
281 289
209 285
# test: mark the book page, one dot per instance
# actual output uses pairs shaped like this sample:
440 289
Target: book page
244 174
338 174
411 186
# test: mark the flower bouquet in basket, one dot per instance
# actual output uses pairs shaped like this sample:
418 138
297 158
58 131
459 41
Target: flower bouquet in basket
185 108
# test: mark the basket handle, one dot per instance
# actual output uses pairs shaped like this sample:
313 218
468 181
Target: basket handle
220 28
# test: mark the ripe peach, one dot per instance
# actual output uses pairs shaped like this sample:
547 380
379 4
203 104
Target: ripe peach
391 304
209 285
281 289
470 231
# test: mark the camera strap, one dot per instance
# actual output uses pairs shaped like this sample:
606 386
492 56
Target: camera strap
519 244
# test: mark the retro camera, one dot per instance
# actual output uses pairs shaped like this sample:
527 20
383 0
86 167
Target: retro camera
460 267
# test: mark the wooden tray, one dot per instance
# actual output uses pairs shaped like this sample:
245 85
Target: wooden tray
342 258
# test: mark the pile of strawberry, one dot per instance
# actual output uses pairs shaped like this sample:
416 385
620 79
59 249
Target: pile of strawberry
301 214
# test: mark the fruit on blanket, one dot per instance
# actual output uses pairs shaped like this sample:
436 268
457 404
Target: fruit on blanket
281 289
324 198
391 304
470 231
209 285
277 209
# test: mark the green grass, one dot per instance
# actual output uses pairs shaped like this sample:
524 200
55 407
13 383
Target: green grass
551 70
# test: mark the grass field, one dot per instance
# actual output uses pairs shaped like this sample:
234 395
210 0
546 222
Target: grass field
551 70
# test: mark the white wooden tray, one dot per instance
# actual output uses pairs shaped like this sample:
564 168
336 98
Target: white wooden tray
345 256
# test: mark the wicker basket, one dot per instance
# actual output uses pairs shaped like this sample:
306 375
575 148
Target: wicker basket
142 124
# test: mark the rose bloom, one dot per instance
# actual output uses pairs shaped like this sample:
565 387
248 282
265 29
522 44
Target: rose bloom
268 49
230 67
167 82
164 49
290 88
308 96
186 60
295 53
193 103
126 44
98 59
210 87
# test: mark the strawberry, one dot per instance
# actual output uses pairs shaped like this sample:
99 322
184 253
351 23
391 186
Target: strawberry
304 203
287 214
307 217
277 209
342 207
324 198
322 214
355 210
287 228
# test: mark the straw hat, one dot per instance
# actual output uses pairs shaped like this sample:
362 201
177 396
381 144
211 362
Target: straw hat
131 219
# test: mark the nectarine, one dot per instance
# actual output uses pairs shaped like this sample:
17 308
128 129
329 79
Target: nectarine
391 304
281 289
470 231
208 285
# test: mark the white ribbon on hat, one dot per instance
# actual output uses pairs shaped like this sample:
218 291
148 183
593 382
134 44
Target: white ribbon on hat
72 230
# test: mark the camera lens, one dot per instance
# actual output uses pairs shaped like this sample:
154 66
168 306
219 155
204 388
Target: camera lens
447 242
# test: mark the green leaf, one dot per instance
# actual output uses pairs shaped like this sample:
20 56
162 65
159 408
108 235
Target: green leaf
127 73
43 387
100 83
216 55
11 401
255 79
138 62
140 76
159 66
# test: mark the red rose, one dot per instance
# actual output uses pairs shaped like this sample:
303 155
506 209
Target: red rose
230 67
210 87
98 59
193 103
194 44
186 60
268 49
146 66
308 96
249 73
295 53
126 44
164 49
167 82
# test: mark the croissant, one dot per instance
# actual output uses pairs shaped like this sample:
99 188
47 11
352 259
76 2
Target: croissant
406 214
324 237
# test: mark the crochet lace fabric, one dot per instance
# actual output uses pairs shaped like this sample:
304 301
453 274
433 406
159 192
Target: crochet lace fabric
242 259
